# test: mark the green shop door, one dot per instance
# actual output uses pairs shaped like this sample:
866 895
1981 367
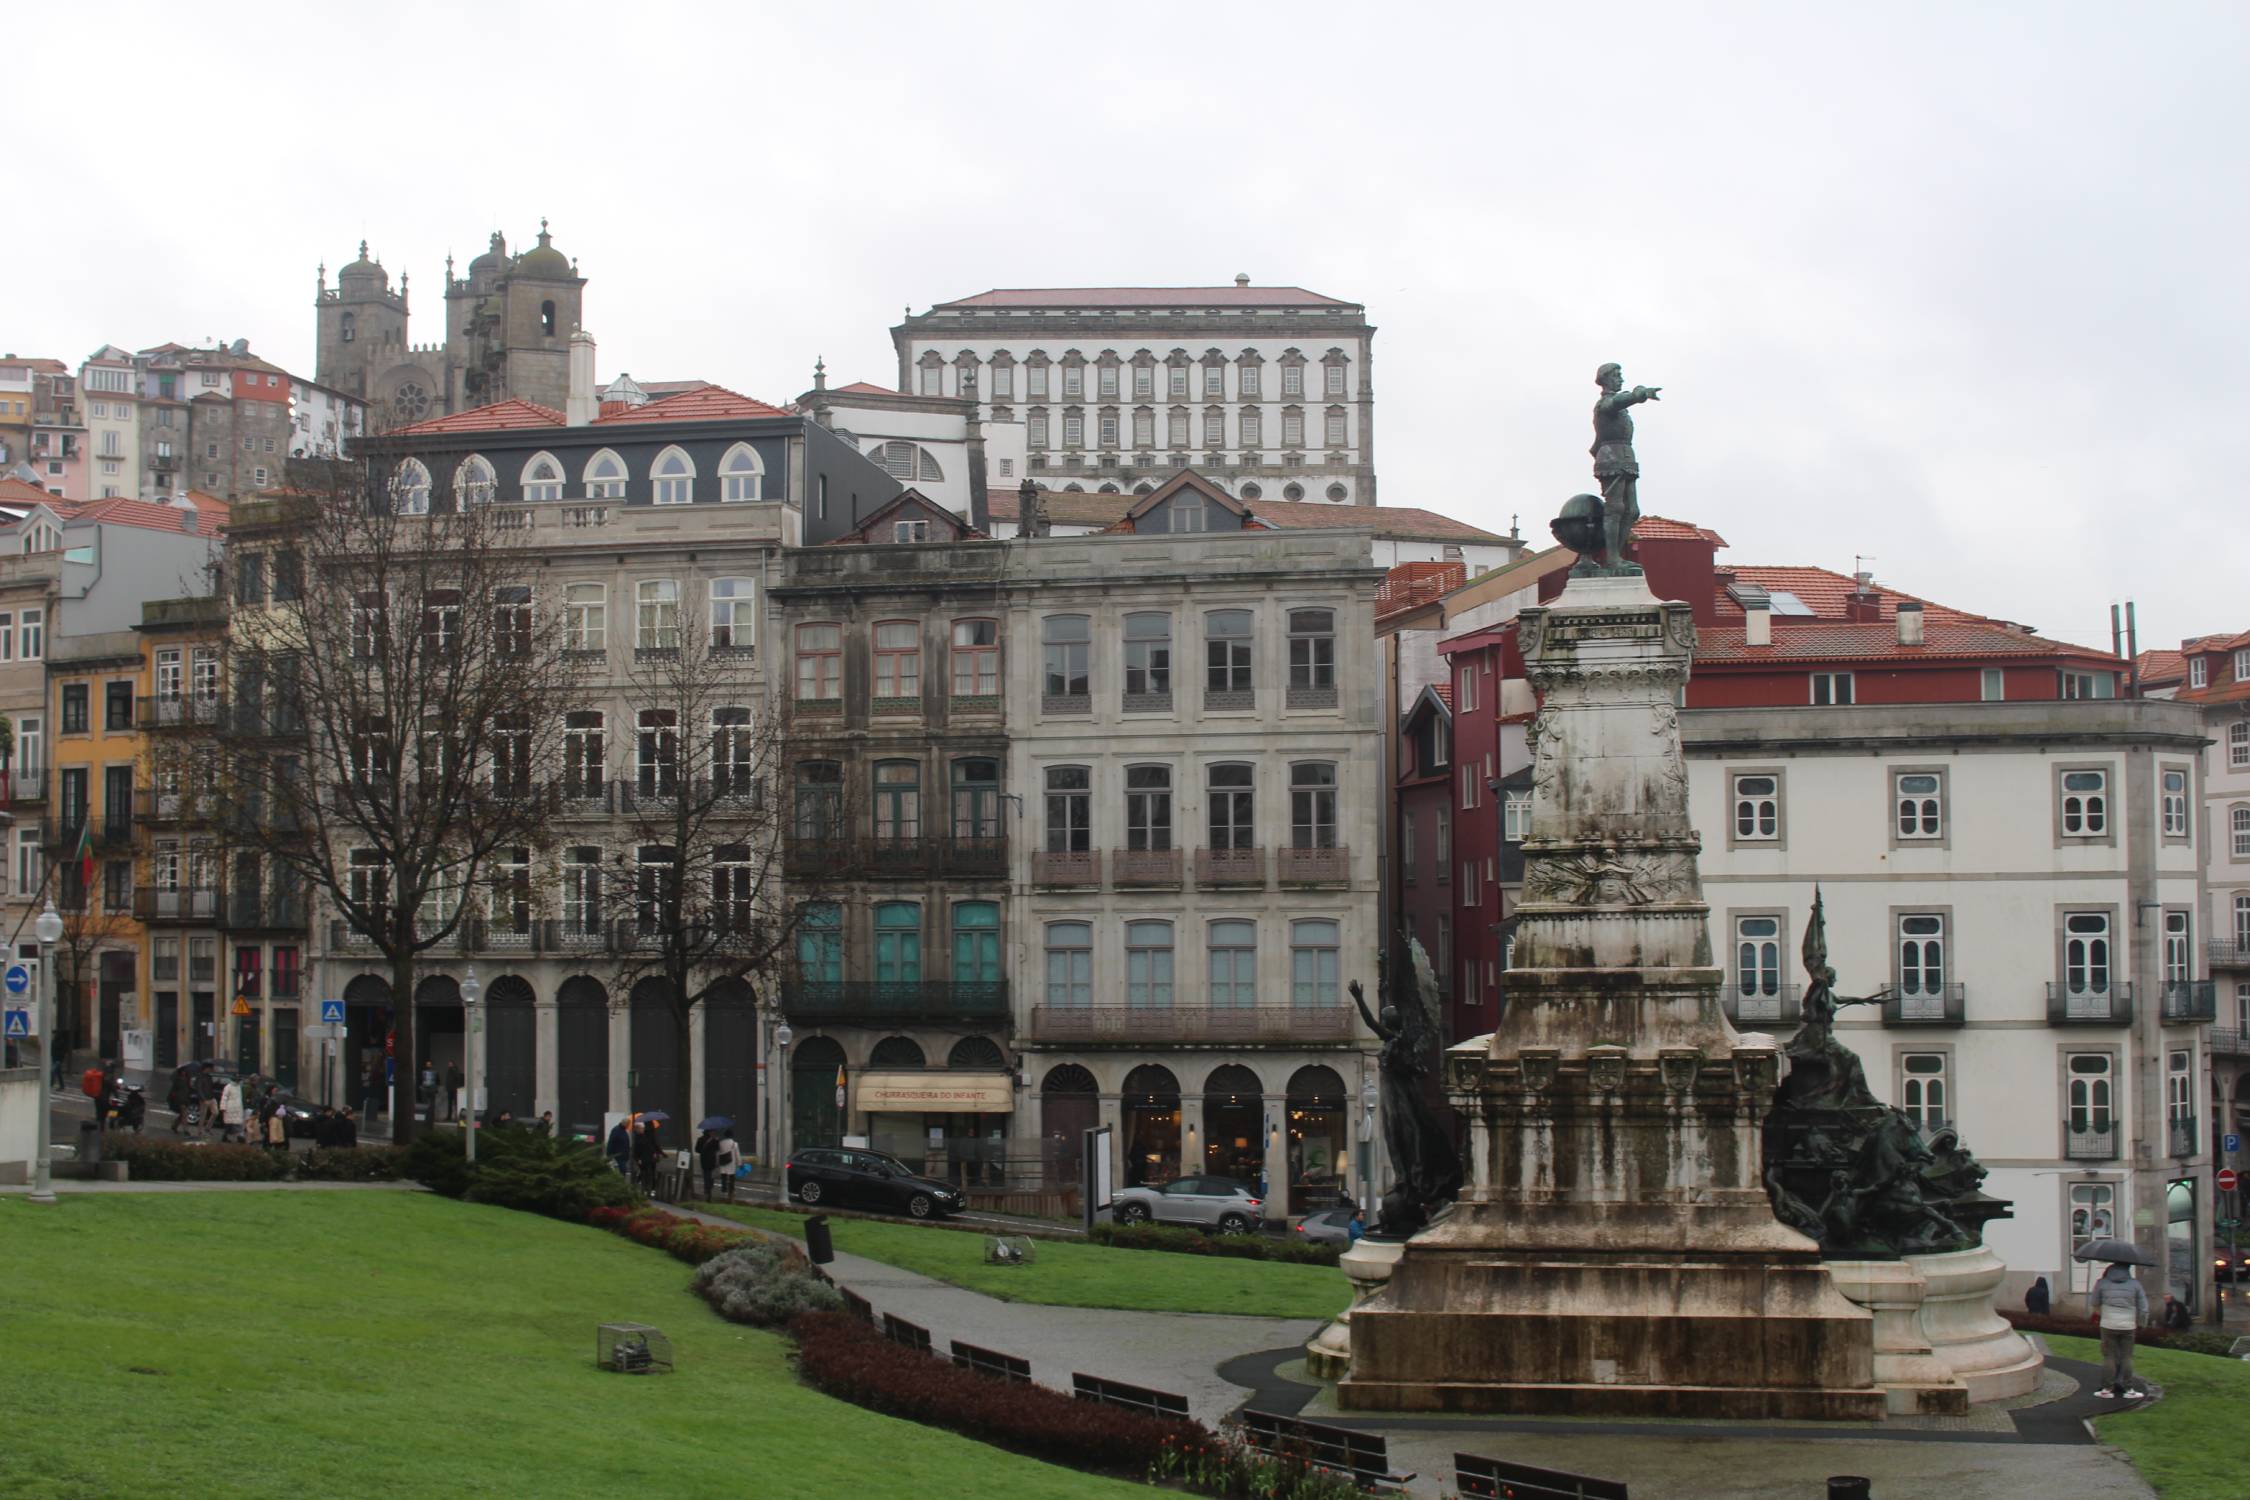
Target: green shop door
814 1119
285 1047
246 1044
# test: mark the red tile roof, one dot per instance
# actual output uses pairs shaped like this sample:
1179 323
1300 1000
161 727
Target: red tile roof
15 491
2156 668
124 512
1444 691
1411 584
500 416
1658 528
1831 640
864 388
1149 296
1824 592
1404 522
701 403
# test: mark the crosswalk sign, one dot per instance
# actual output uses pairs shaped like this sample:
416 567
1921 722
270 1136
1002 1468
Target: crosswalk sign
331 1012
17 1026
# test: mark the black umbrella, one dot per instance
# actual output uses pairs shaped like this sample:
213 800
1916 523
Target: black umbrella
716 1122
2117 1252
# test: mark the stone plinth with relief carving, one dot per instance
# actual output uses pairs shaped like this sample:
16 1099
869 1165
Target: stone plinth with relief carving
1614 1250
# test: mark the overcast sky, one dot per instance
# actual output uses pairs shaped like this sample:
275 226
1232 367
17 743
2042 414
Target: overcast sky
1956 288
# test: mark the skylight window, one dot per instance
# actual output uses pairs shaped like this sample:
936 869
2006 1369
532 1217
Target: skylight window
1786 603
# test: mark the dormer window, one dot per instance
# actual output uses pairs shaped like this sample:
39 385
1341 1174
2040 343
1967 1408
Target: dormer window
2199 672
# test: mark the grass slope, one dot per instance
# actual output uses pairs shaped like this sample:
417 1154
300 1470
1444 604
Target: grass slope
403 1344
2188 1445
1064 1274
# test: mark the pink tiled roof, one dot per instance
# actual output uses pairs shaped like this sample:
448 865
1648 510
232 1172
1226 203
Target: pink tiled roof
701 403
2159 667
1659 528
1149 296
500 416
1824 592
863 388
1831 640
210 514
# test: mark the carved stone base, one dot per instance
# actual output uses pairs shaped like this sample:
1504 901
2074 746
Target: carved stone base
1368 1265
1915 1381
1976 1343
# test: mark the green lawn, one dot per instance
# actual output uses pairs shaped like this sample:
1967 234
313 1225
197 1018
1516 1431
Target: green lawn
2187 1445
1068 1274
303 1344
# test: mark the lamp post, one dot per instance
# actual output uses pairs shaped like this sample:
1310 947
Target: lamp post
469 992
782 1037
47 927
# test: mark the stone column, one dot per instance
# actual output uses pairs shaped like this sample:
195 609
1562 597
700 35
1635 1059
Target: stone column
1275 1124
620 1057
546 1085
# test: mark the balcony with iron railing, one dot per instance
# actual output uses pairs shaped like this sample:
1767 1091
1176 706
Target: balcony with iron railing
177 904
2072 1003
114 832
2230 955
270 911
898 857
581 933
29 787
1144 867
1329 866
1765 1003
1926 1005
1066 867
2229 1041
650 793
2090 1139
1230 867
984 1002
2180 1135
196 711
1187 1023
255 719
2188 1001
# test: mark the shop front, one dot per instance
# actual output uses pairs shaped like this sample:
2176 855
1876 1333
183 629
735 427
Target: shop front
1319 1141
1150 1105
1234 1131
945 1122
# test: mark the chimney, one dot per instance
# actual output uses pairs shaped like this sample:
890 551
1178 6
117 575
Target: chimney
1865 605
584 402
1242 278
1757 624
1909 623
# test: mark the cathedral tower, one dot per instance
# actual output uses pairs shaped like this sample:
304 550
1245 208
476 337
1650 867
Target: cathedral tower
362 327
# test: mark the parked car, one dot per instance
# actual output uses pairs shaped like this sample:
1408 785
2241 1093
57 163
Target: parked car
2230 1265
1221 1203
868 1179
1331 1226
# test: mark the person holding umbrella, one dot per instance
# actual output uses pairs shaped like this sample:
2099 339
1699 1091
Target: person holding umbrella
707 1158
2119 1304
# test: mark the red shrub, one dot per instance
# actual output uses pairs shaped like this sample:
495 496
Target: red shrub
684 1238
842 1356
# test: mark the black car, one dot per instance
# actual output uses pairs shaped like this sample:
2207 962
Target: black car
852 1178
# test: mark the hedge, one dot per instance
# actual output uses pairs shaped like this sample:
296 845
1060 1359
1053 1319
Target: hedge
2191 1341
153 1160
518 1168
1229 1246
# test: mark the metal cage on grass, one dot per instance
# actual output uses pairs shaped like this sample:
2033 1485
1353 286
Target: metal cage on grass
1007 1250
632 1348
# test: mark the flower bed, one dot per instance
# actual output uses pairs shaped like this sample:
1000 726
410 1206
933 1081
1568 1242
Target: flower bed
683 1239
764 1283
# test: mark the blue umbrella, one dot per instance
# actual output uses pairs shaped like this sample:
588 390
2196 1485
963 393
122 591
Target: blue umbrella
716 1122
654 1114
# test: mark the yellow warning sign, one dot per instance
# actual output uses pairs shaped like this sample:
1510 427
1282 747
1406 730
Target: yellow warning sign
241 1006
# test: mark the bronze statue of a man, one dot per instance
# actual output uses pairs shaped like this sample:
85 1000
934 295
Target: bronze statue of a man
1616 470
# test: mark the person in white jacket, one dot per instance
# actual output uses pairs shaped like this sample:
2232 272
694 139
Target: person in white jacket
230 1111
2120 1304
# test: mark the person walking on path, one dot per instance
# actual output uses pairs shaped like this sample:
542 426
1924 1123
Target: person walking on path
619 1149
425 1092
371 1091
176 1098
707 1157
730 1162
230 1110
645 1153
2120 1305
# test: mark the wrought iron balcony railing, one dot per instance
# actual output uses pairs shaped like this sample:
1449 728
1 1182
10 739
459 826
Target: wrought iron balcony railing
2073 1004
1184 1022
981 1001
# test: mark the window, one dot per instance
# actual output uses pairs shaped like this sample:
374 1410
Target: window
1292 427
410 488
586 617
511 620
1757 807
31 750
1035 428
605 476
917 530
1074 379
250 578
976 799
2178 968
1108 429
1068 641
1406 862
1177 380
1070 810
1292 379
542 479
2086 953
933 376
734 616
30 871
75 698
1919 796
1469 787
2242 666
33 636
509 898
976 658
1230 796
1148 964
1190 513
1233 951
441 623
1004 381
1831 688
1074 430
1921 967
1312 650
1252 424
1468 688
2199 672
1515 817
1148 657
1334 420
1246 380
734 754
1922 1090
1214 379
2087 684
474 482
1036 378
1214 426
1070 964
585 757
2239 825
2085 804
1757 957
657 752
674 477
819 811
288 576
1312 805
1313 950
656 900
370 884
2242 931
1148 807
898 942
820 662
117 706
1176 427
898 801
898 660
1227 651
2089 1092
1144 428
820 943
2175 803
657 625
2238 733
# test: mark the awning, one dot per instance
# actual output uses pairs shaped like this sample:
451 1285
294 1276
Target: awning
936 1092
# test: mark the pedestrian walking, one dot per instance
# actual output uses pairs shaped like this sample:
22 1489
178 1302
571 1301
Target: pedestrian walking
426 1091
230 1110
2038 1300
619 1149
646 1150
2120 1305
730 1162
371 1091
276 1124
545 1124
707 1157
176 1098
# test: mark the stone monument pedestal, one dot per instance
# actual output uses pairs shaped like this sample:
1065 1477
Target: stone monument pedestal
1368 1265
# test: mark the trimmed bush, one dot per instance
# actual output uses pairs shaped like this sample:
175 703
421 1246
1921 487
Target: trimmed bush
1180 1241
153 1160
352 1164
2192 1341
439 1160
542 1175
766 1284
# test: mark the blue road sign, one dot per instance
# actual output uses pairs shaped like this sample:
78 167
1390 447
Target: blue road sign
2232 1142
17 1024
331 1012
18 980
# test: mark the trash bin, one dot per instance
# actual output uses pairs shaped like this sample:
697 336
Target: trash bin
818 1245
1849 1487
89 1143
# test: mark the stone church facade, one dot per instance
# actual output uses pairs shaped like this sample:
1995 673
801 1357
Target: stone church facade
508 324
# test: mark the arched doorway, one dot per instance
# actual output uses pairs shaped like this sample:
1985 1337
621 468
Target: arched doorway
657 1081
511 1048
367 1041
581 1056
1069 1106
1151 1109
899 1132
730 1056
1319 1126
1234 1130
976 1141
440 1039
814 1117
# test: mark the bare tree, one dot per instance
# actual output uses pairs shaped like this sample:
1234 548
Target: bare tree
702 799
388 711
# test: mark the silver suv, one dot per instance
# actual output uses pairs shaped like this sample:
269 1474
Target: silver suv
1220 1203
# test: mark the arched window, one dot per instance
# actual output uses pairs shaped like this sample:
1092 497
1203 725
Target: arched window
674 475
976 942
1148 964
976 1053
898 942
741 475
410 488
542 478
474 482
907 461
897 1052
605 476
351 327
547 317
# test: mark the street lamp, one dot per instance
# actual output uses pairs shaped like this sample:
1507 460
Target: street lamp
470 989
782 1037
47 927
